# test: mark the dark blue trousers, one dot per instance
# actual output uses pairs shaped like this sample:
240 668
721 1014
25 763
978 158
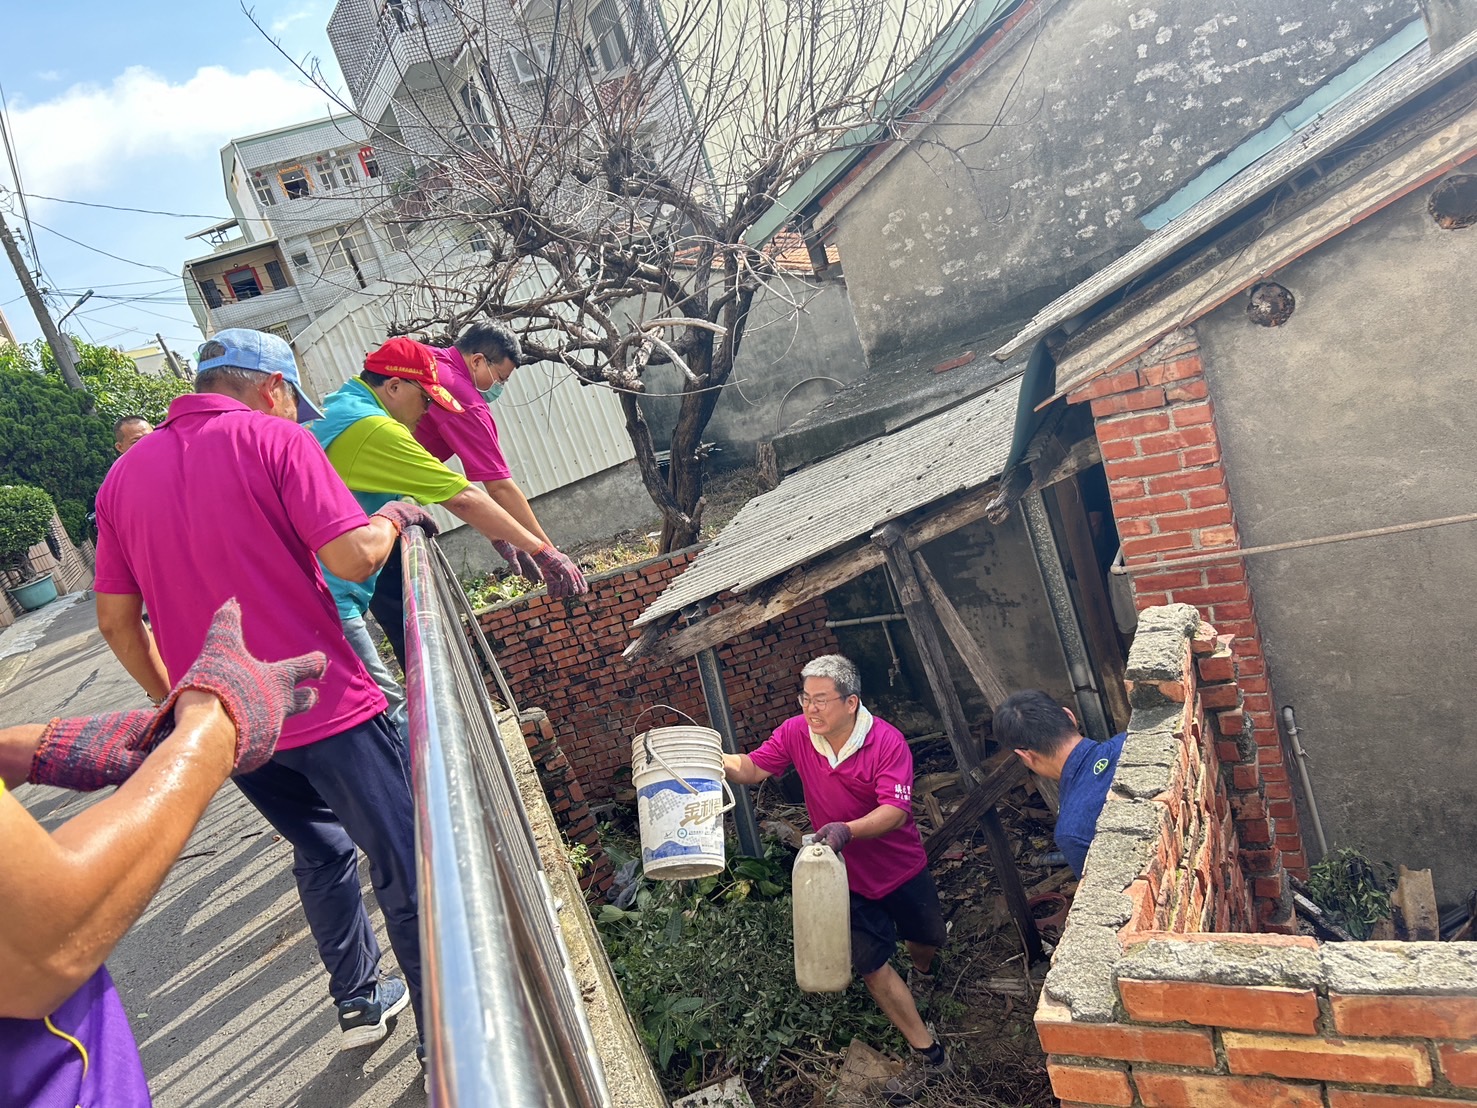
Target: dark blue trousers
326 798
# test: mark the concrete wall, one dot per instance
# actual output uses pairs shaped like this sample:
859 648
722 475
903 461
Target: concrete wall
1104 112
1357 414
790 362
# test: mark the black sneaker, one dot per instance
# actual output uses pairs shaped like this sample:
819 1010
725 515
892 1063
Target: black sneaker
917 1075
365 1020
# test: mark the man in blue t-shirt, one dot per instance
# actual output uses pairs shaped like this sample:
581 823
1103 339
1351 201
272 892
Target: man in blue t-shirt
1047 738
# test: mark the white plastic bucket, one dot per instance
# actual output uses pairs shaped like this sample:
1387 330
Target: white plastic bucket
680 800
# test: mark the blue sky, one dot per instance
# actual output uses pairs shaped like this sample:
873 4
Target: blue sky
131 109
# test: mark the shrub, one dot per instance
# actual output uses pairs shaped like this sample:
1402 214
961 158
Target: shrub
707 969
25 517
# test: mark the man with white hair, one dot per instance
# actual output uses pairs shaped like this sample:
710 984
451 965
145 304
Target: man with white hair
858 776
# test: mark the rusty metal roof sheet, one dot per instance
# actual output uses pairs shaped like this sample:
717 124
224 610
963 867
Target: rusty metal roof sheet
831 503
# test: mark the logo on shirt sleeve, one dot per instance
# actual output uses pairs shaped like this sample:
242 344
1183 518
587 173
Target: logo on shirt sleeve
903 793
1098 767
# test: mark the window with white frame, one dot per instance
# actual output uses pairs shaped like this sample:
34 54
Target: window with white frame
395 236
611 48
343 247
338 172
266 196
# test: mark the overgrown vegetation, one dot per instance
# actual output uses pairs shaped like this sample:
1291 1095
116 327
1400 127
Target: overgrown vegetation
49 439
707 969
1351 889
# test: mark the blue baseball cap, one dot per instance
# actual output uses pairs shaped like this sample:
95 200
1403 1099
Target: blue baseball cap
266 353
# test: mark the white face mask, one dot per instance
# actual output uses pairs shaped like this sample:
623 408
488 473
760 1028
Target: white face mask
491 393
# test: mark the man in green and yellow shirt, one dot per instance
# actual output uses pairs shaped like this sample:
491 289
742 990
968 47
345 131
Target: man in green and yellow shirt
366 431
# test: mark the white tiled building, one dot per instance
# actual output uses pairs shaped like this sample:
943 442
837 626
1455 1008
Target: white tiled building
308 230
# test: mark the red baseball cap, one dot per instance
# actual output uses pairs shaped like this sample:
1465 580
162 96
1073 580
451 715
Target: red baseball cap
412 361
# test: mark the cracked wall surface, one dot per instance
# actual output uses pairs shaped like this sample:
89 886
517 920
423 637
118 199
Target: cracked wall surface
1037 174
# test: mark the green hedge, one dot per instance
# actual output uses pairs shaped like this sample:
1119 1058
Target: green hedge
25 517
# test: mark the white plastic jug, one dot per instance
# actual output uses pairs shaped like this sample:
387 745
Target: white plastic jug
822 920
681 797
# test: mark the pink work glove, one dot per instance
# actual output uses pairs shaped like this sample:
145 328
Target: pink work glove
520 562
257 695
93 752
403 514
835 835
560 573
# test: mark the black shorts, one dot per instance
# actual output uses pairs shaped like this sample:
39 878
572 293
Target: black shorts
911 911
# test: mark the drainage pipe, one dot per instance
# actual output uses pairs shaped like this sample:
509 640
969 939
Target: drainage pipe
889 618
1289 720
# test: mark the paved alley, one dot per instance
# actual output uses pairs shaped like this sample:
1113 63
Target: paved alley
220 978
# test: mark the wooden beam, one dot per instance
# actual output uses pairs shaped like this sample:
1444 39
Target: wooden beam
1098 625
968 648
777 596
922 622
1008 772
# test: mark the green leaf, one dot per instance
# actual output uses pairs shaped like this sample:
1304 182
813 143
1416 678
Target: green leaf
685 1006
609 913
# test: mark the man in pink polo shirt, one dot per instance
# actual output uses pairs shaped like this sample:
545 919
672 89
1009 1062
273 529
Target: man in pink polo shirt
858 777
476 370
252 506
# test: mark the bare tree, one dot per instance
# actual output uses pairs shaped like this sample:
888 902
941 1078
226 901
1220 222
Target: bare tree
605 160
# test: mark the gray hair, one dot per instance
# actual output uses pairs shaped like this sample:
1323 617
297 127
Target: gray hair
228 379
840 669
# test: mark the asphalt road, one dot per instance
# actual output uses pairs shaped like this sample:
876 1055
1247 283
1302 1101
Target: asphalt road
228 1000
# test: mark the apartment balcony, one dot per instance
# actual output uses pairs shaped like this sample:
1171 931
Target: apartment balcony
408 46
259 312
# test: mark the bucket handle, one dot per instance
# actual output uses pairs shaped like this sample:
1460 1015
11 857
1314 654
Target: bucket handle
653 756
646 742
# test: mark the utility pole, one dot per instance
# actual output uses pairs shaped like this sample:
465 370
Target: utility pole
171 359
60 348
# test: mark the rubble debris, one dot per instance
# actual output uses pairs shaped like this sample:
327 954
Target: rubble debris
1414 902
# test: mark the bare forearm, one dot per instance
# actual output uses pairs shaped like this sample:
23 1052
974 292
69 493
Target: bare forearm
878 822
740 769
17 752
510 498
481 512
135 648
358 554
71 895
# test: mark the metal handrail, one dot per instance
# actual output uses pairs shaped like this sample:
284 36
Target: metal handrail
505 1024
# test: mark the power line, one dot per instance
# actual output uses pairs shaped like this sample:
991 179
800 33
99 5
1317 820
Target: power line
105 253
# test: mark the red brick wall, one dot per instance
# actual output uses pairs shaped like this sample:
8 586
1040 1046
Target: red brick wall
1152 1001
1162 455
565 656
566 797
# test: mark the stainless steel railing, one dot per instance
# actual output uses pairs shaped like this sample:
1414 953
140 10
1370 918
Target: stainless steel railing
505 1025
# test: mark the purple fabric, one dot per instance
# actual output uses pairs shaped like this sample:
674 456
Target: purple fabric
40 1069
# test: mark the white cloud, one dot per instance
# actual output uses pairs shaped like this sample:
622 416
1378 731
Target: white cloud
90 137
282 23
49 75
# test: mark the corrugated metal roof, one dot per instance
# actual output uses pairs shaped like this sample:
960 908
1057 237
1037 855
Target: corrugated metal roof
833 502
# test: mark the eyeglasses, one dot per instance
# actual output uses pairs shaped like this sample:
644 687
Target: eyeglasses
808 701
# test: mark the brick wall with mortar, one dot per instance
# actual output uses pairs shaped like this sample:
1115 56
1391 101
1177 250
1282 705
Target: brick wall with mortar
1162 456
1160 996
566 797
565 655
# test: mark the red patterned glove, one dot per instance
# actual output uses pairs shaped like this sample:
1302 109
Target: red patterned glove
835 835
94 752
403 514
257 695
520 562
560 573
